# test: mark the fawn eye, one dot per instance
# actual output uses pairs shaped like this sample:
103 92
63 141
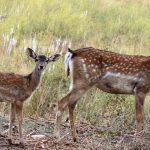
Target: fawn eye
36 60
47 60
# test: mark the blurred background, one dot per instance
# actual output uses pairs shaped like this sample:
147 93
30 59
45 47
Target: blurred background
51 26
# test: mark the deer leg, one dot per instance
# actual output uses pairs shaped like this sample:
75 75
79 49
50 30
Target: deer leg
139 106
72 119
70 99
12 120
19 108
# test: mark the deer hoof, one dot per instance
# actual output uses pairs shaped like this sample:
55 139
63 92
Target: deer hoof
21 145
75 140
10 141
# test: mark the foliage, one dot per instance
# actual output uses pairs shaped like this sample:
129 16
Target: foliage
122 26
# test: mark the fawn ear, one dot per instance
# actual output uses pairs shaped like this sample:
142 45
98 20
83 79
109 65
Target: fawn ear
31 53
53 58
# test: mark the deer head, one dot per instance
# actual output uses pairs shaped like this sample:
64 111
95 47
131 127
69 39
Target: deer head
41 60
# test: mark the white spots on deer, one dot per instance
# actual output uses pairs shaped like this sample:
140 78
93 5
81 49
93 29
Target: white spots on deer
98 61
87 75
84 68
104 64
92 65
90 71
95 77
82 60
94 70
96 66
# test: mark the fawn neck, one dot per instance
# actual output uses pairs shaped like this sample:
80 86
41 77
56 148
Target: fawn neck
34 78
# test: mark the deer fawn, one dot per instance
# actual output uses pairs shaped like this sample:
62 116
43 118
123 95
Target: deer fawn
111 72
16 88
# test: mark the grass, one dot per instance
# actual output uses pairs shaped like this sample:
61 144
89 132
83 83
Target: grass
121 26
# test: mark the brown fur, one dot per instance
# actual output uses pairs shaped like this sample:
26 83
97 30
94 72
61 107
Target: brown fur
16 88
111 72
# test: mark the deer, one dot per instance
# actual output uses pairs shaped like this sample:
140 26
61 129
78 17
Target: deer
108 71
16 89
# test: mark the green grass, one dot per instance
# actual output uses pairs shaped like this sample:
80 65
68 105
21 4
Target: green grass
121 26
112 24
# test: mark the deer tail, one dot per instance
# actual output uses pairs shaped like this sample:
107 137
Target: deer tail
69 55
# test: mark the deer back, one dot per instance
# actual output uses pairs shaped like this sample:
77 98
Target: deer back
12 87
111 72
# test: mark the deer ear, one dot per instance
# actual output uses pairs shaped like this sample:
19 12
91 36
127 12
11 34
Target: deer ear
69 50
31 53
54 58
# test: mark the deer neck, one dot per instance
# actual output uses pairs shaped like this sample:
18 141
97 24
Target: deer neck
34 79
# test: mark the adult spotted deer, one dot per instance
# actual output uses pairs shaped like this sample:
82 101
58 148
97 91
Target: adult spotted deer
16 88
111 72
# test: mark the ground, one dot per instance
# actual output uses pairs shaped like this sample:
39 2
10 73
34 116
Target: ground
89 137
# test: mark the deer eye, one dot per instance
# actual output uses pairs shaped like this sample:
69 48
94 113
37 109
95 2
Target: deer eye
36 60
47 60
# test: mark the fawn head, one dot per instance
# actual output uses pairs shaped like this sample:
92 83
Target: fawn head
41 60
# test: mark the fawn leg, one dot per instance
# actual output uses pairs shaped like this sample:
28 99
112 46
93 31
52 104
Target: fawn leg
12 120
19 108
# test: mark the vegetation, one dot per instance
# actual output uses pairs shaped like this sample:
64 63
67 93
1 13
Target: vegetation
51 26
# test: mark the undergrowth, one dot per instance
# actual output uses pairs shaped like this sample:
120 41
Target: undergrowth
50 26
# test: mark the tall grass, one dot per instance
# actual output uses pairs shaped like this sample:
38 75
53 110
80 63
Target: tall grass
112 24
53 25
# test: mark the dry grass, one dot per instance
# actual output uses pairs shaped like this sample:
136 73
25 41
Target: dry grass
51 26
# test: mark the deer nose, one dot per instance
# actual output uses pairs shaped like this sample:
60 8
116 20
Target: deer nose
41 67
